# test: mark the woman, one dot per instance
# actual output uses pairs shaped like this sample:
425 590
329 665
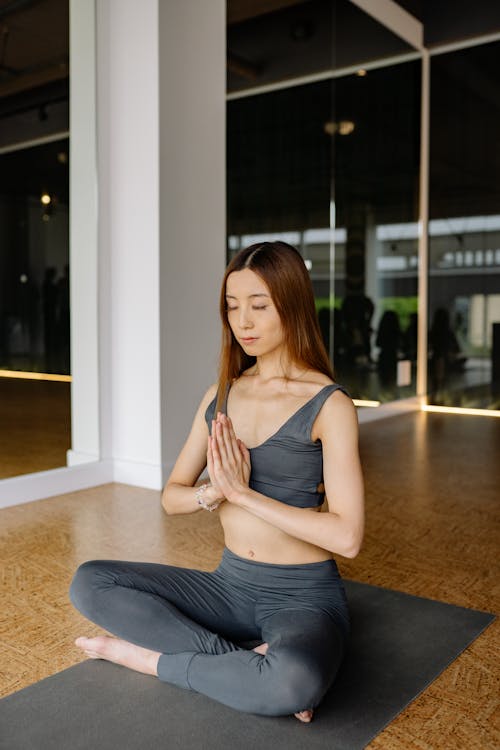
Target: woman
292 433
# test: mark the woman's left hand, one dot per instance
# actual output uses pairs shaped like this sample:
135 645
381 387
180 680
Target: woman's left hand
228 459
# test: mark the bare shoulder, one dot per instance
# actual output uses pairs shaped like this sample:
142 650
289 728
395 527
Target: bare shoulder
338 403
337 414
210 394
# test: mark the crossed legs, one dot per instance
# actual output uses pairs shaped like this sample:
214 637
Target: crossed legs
183 626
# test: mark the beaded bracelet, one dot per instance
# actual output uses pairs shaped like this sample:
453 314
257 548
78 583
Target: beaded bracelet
201 500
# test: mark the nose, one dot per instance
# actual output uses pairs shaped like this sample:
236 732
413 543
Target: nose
245 320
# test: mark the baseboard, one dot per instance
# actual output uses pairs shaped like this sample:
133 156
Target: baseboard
43 484
75 458
138 474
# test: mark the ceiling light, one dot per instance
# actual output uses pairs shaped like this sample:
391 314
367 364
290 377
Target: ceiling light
45 199
346 127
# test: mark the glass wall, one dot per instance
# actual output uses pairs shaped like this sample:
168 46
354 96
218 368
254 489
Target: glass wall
331 166
35 409
34 259
464 231
375 187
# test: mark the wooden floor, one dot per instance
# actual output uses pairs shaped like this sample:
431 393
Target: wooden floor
432 490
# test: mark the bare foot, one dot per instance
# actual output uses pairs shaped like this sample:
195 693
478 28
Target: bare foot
120 652
304 716
262 649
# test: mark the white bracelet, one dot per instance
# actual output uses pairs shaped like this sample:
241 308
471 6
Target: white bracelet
201 500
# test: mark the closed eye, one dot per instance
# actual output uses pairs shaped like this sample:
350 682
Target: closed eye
264 307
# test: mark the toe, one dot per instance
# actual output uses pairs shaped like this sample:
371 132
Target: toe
93 655
305 716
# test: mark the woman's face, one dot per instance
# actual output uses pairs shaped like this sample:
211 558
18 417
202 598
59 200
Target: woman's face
251 313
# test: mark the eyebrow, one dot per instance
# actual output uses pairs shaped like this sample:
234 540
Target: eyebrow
250 295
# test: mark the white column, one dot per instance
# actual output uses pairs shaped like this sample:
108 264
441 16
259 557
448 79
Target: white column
127 35
192 73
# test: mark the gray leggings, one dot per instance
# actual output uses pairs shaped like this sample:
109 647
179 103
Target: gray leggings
202 624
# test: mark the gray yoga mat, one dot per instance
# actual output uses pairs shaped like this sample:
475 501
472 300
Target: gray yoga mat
399 644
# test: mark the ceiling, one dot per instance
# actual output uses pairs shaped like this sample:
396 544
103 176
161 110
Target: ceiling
268 41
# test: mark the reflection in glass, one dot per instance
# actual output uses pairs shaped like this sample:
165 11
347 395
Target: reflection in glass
300 39
353 143
34 308
464 231
34 263
331 166
34 237
375 173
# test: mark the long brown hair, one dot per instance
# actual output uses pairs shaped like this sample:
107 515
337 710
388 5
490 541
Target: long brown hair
283 270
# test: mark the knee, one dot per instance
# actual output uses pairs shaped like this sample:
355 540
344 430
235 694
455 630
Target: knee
86 581
303 685
293 684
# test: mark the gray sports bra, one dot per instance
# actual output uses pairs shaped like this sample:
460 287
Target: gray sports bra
288 466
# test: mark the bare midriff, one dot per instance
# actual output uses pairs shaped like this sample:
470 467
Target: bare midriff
254 539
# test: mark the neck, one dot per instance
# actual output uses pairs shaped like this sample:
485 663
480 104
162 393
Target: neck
275 365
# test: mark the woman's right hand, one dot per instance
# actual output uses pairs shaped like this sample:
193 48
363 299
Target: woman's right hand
242 463
212 493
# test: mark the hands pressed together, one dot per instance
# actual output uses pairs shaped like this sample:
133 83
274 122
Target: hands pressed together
228 459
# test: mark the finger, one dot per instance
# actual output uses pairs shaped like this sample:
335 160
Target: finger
213 431
218 472
229 441
231 428
220 460
219 441
212 472
224 444
245 453
210 460
243 448
234 440
214 444
216 432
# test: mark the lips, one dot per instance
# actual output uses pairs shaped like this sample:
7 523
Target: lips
249 341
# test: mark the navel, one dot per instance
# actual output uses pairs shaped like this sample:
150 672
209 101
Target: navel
251 553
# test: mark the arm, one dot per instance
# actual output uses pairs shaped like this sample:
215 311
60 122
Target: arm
341 529
178 495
